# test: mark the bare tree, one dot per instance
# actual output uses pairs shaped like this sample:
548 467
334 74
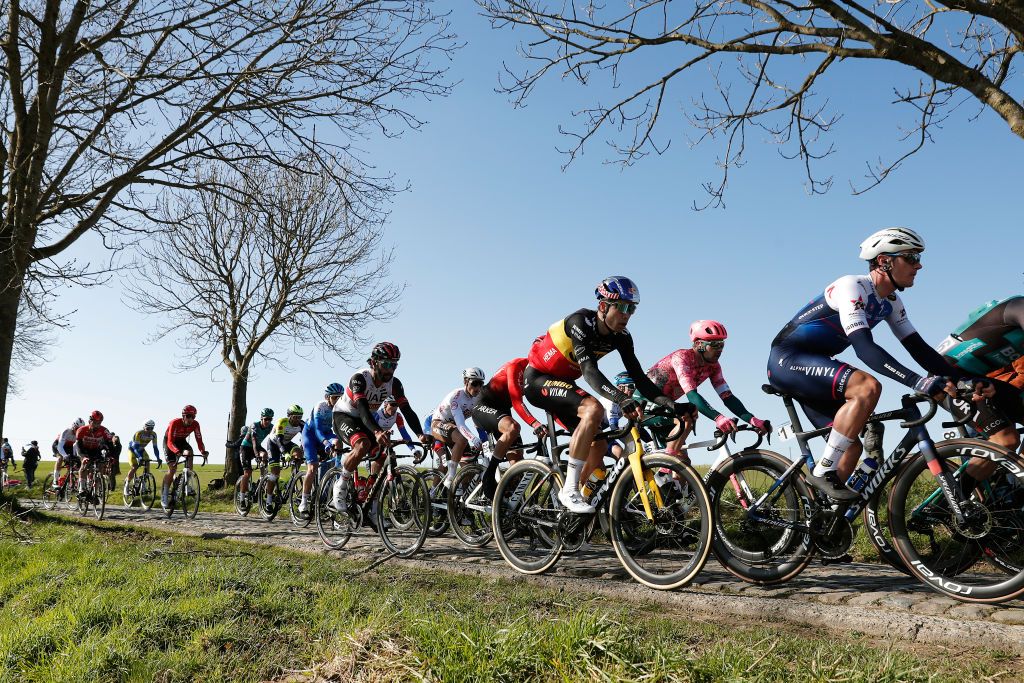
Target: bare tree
263 273
105 102
960 50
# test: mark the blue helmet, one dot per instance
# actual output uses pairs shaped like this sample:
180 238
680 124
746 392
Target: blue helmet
617 288
623 378
334 389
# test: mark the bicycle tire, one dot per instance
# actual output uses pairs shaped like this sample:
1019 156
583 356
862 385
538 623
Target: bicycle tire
937 551
172 494
438 523
99 507
147 491
403 512
875 517
50 498
127 491
334 526
190 494
268 514
754 551
679 535
70 485
295 487
526 531
472 527
241 500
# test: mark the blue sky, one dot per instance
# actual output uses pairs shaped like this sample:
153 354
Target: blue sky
495 242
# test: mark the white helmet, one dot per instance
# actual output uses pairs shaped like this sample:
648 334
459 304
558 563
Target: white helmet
473 374
890 241
78 423
150 424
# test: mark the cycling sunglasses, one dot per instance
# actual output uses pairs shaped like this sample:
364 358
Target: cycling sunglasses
387 364
476 383
909 256
626 307
713 344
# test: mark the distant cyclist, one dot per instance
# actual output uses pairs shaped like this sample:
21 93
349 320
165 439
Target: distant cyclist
64 451
318 438
569 350
681 372
448 424
832 392
90 442
177 446
137 450
252 447
278 444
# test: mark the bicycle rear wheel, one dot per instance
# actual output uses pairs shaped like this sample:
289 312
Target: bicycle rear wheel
128 491
525 516
242 498
294 497
403 512
980 559
334 526
772 544
472 526
669 549
438 518
147 491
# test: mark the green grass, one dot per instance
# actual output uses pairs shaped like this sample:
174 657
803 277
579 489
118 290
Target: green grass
103 603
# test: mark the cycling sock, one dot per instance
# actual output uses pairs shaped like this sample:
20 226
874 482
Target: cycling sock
572 475
305 499
452 467
834 449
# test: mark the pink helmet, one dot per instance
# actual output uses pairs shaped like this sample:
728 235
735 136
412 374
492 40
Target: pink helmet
707 330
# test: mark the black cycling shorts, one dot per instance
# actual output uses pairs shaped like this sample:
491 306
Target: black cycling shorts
488 415
351 429
817 382
247 454
180 445
559 397
275 452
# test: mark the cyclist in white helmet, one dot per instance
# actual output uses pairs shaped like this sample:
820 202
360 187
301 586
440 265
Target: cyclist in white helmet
448 423
137 449
64 450
802 363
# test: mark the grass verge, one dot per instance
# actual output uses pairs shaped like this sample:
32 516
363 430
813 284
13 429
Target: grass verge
104 603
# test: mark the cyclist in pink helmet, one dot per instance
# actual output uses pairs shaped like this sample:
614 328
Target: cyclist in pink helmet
681 372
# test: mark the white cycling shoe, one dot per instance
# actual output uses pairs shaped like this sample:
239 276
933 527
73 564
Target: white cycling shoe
340 489
304 507
573 502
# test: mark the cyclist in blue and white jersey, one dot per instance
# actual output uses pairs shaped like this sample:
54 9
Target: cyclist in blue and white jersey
317 436
63 450
832 392
388 417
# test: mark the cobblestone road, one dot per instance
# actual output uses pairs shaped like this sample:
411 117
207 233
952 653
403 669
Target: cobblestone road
858 597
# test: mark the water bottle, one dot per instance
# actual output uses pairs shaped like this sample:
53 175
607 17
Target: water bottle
860 477
597 478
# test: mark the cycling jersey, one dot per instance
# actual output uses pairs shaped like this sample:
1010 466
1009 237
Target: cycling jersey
571 348
387 423
283 433
256 433
362 397
990 342
143 438
455 408
90 440
176 436
682 371
65 443
849 304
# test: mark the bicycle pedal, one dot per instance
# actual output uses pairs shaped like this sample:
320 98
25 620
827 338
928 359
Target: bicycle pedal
843 559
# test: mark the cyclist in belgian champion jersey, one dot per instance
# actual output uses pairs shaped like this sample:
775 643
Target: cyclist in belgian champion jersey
448 424
681 372
832 392
570 349
353 414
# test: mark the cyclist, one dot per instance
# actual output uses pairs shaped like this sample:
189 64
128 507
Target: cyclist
252 446
64 450
353 414
318 438
570 349
177 446
991 343
448 423
682 371
90 441
137 450
493 414
277 444
802 363
388 417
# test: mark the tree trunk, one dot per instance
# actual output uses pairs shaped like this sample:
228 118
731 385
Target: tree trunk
236 420
10 299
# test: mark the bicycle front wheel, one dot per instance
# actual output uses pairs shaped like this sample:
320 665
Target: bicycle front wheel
147 491
128 491
188 495
768 544
50 496
99 502
468 509
294 498
438 523
403 512
669 548
525 514
979 558
334 525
